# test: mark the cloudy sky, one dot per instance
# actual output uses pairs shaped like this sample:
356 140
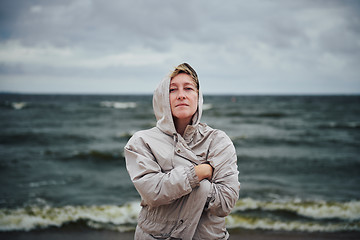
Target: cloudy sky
128 46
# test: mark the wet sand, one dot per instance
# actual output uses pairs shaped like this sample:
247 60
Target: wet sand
91 234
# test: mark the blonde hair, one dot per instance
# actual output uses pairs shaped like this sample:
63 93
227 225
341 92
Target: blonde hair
186 68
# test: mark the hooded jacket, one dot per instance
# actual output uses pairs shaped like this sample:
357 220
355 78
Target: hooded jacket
160 162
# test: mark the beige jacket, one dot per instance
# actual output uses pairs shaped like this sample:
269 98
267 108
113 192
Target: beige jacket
160 162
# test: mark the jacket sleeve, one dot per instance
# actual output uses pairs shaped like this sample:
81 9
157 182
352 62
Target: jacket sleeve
225 182
154 186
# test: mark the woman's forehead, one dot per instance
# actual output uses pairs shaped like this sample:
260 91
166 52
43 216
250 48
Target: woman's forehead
182 78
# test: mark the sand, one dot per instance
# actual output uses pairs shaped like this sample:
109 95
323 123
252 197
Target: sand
91 234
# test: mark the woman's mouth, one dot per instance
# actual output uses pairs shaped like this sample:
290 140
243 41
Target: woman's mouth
182 105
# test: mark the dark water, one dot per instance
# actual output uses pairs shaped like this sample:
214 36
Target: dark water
61 160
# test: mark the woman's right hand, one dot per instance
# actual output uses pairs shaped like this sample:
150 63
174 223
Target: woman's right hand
204 171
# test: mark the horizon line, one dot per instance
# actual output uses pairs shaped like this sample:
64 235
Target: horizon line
208 93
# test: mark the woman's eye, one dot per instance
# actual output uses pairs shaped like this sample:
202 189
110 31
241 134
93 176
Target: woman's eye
172 89
189 88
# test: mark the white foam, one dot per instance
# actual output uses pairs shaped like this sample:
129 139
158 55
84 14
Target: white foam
314 209
44 183
207 106
18 105
124 218
354 124
233 221
40 217
118 105
346 125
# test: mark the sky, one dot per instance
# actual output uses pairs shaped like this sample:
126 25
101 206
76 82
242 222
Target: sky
128 46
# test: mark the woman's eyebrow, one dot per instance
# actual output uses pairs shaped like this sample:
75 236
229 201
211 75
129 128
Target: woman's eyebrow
189 83
185 84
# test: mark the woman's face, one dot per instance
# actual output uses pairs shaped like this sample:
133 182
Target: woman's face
183 97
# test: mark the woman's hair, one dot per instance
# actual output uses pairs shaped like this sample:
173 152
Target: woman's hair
186 68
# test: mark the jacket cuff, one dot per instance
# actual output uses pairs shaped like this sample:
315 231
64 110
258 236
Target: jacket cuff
193 178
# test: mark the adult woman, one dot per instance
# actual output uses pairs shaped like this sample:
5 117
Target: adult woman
185 172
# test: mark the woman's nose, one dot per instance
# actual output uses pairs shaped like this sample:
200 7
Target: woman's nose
181 95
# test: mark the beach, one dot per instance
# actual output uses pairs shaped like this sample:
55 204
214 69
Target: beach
92 234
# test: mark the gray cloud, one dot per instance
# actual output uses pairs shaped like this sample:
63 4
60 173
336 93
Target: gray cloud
250 46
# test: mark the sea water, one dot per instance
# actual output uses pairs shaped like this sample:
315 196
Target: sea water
62 160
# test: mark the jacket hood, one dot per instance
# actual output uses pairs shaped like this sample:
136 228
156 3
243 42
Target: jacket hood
162 110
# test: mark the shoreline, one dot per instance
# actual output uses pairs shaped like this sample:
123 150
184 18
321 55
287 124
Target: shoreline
85 233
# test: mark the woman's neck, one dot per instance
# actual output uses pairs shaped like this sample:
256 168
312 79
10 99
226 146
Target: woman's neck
181 124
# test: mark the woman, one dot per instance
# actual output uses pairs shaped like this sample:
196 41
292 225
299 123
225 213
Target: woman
185 172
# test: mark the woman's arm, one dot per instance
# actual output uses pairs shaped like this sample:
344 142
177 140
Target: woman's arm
225 182
154 186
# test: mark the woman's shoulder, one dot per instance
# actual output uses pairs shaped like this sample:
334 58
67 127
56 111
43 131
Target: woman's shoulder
215 133
147 136
143 134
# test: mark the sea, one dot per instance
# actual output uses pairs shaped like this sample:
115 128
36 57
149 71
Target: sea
62 160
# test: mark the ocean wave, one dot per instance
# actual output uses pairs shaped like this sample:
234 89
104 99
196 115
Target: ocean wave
118 105
295 140
311 209
319 216
260 115
271 115
295 215
18 105
13 105
106 216
43 183
274 141
45 138
235 221
35 105
97 155
337 125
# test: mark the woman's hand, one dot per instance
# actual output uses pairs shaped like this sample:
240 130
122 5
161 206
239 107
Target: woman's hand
204 171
